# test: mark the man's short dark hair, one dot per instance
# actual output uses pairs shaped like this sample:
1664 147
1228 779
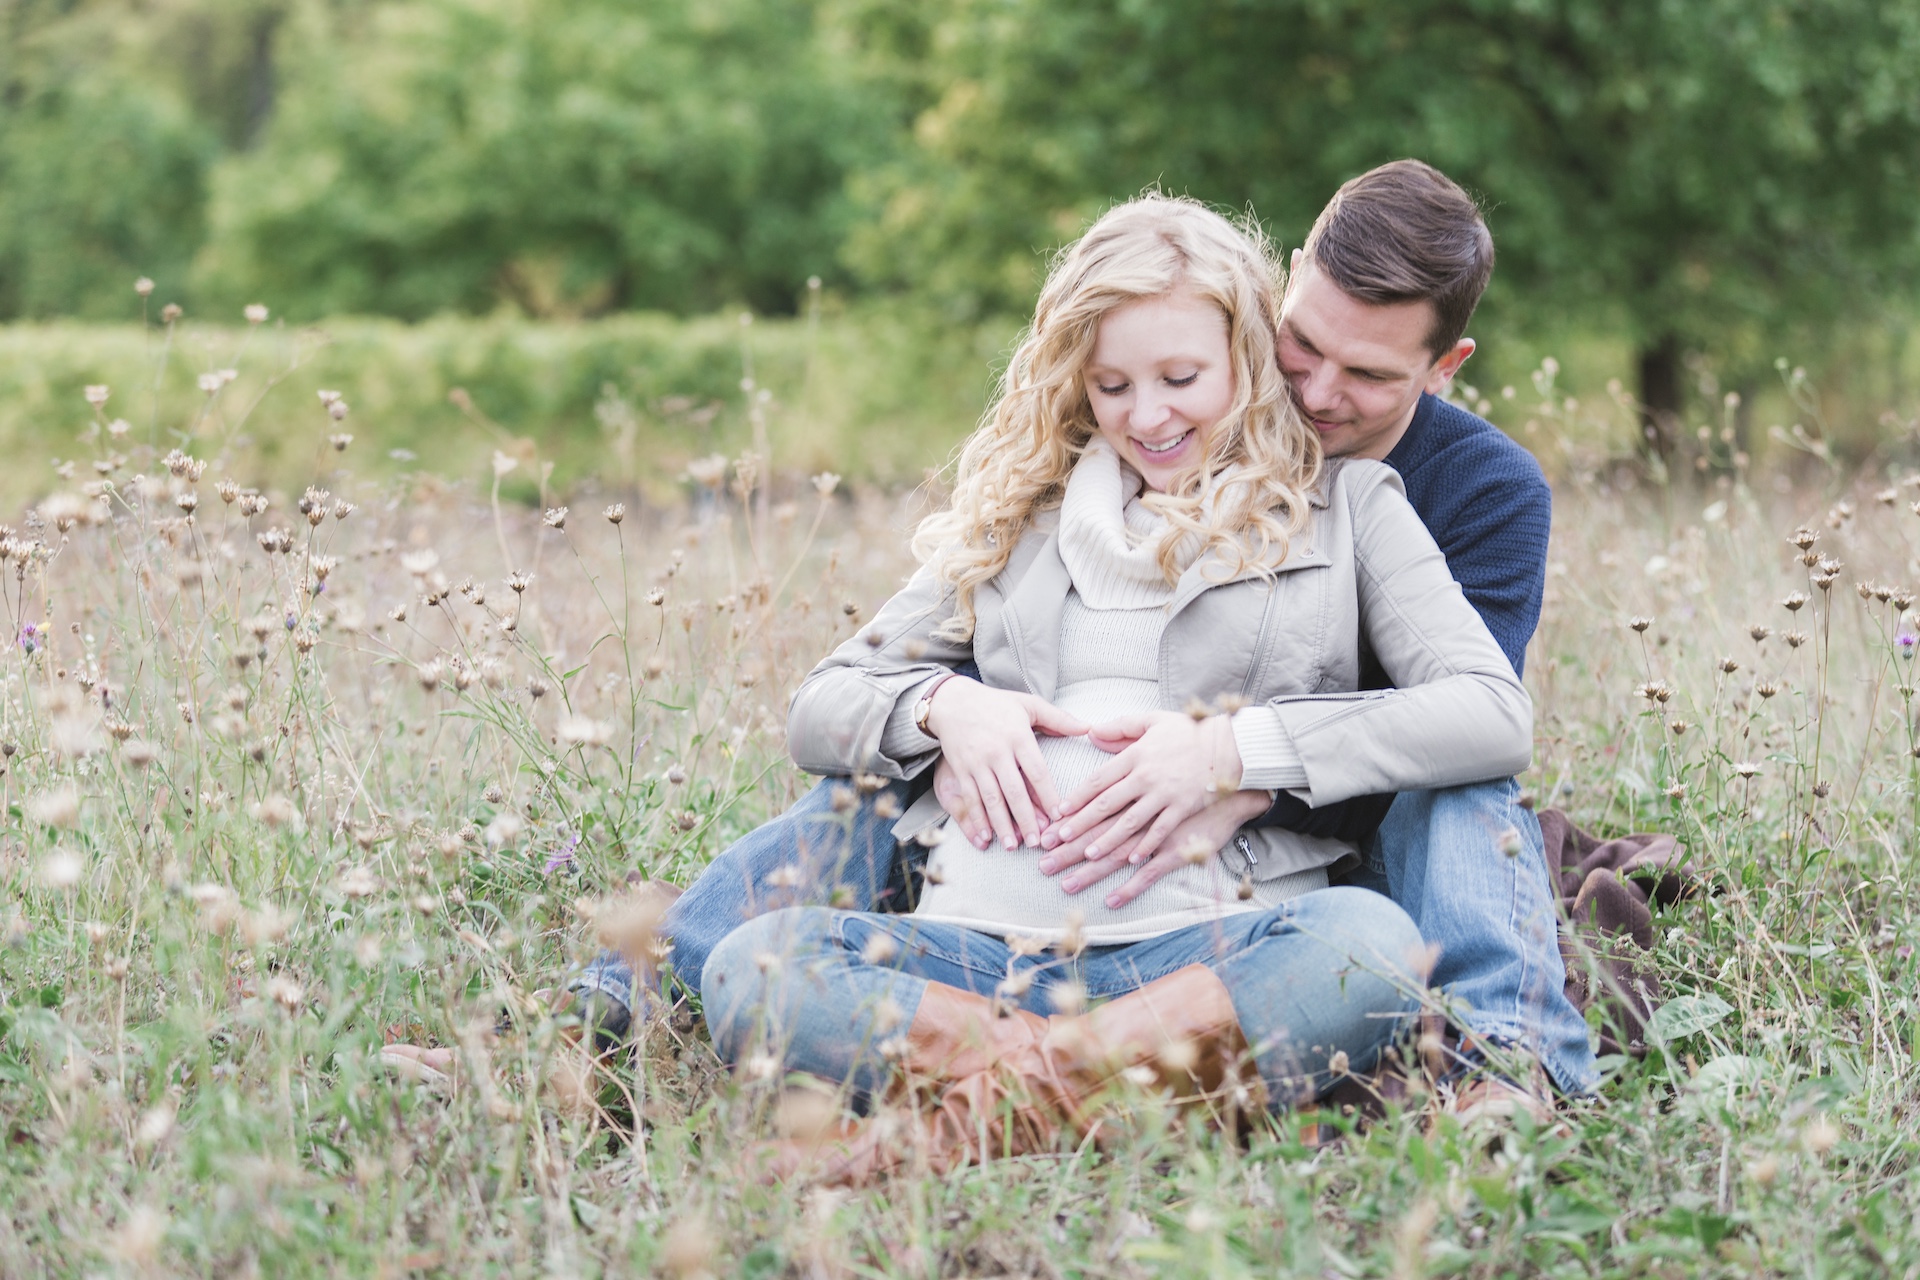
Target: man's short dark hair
1405 232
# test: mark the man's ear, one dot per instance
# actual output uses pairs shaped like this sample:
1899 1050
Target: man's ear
1447 365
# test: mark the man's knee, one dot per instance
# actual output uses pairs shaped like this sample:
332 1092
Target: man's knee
1370 931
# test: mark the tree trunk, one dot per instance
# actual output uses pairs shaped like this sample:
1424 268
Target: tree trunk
1660 396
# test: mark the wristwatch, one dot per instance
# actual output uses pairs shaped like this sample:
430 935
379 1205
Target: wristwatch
924 708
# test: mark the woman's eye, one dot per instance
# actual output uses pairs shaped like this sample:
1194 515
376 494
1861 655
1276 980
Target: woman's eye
1113 391
1184 382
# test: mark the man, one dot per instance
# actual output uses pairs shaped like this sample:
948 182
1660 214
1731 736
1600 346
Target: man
1372 331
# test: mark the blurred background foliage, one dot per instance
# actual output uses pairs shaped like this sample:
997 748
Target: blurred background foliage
1683 189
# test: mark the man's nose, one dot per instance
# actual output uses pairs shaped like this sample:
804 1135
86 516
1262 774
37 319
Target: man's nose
1316 388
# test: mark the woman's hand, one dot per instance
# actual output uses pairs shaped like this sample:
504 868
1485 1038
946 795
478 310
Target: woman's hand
1207 830
990 776
1167 767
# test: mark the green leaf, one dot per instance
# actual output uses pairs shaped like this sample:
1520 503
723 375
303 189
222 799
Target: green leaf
1684 1016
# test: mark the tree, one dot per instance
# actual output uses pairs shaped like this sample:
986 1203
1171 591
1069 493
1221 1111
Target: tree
572 156
1700 174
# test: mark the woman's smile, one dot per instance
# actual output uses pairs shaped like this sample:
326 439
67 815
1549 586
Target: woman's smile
1159 378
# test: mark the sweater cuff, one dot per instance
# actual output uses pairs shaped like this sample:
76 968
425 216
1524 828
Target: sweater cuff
1267 756
902 739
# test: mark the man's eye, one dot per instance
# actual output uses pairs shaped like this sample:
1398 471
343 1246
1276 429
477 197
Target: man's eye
1187 381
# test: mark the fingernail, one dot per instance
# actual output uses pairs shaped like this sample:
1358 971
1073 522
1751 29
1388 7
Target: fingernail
1006 842
1048 866
1113 902
1093 851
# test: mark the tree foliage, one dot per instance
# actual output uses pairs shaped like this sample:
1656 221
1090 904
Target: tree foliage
1695 175
1691 171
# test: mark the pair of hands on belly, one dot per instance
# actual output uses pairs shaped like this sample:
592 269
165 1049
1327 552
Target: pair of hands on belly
1171 786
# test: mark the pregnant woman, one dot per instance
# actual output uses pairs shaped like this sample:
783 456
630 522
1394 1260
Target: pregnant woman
1143 541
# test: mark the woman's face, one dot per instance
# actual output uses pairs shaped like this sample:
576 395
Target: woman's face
1159 379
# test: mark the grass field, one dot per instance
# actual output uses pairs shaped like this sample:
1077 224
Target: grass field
282 784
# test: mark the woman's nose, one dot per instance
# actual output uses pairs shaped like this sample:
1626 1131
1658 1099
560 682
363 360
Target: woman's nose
1147 411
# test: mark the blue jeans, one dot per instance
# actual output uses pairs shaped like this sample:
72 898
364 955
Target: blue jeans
1438 855
1321 974
1469 866
810 855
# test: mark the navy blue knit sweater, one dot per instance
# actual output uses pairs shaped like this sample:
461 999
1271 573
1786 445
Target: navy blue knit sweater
1483 499
1488 506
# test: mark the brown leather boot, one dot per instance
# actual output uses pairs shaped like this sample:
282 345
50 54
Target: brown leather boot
1012 1085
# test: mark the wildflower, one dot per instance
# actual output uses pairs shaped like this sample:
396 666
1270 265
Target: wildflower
563 855
504 829
676 775
879 949
582 731
615 513
358 882
519 582
61 870
276 810
1678 791
1803 537
256 313
327 397
656 597
536 687
1795 639
556 518
1729 664
138 1240
139 753
1759 632
337 411
286 993
56 807
143 286
97 395
1766 688
1906 641
1639 624
1795 602
340 440
119 427
1746 768
170 313
29 639
210 383
1679 727
825 483
421 562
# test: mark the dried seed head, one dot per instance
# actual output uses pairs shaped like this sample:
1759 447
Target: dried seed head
1678 726
615 513
519 582
1821 790
1803 537
1795 639
144 287
1759 632
1795 602
169 313
1678 791
556 518
1729 664
1639 624
1746 768
1766 688
536 687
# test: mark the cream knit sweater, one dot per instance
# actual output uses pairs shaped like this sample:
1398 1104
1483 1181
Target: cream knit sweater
1110 634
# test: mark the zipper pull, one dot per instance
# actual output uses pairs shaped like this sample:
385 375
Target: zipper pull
1244 844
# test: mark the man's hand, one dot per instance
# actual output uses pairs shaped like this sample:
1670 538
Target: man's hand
990 776
1208 829
1167 767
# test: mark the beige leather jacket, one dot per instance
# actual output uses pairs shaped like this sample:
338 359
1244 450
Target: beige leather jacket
1365 566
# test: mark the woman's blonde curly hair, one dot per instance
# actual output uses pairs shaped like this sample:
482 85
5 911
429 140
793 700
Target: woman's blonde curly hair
1016 462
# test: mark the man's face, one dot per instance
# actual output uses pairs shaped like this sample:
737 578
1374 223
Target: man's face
1358 369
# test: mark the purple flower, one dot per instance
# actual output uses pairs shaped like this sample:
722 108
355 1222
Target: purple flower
1907 641
30 637
563 856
